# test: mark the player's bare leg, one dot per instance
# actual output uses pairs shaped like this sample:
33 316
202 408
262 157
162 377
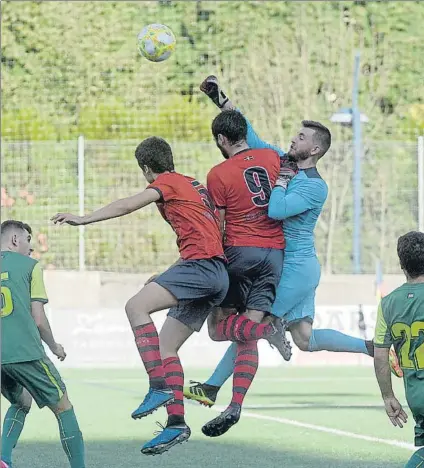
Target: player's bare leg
171 337
13 424
301 334
70 434
215 317
150 299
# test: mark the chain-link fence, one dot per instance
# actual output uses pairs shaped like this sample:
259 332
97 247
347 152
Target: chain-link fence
41 178
72 68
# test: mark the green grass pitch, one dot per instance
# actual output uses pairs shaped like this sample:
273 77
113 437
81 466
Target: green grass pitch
294 417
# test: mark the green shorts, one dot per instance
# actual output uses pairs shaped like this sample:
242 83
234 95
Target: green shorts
40 378
419 428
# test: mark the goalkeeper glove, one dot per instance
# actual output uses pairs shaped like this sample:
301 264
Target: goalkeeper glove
211 88
288 170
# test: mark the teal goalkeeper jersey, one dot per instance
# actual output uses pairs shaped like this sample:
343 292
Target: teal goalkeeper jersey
299 206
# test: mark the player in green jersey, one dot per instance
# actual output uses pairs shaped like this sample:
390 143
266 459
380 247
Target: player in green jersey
26 371
400 321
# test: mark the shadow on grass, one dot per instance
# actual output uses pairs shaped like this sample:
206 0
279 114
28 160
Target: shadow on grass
137 394
194 454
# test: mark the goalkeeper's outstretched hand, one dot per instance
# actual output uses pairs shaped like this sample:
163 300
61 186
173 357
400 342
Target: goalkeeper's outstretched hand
211 88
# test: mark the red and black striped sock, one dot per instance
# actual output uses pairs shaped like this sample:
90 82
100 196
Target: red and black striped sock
147 341
241 328
245 368
174 376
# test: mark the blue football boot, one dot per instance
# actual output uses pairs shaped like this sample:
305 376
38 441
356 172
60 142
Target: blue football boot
152 401
167 438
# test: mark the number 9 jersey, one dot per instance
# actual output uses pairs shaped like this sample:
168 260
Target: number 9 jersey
241 185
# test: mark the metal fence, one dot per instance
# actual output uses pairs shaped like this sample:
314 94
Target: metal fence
41 178
72 68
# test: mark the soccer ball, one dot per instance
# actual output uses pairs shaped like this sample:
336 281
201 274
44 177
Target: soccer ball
156 42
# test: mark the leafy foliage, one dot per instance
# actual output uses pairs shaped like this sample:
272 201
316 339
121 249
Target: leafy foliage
72 68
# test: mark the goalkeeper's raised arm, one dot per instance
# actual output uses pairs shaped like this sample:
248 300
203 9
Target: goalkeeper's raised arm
211 87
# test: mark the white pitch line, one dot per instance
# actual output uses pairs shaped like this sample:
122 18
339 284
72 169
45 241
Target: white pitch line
309 379
316 405
328 430
313 427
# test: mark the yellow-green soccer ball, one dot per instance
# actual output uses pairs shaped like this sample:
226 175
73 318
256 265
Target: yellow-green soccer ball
156 42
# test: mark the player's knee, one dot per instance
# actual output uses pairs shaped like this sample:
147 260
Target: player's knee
25 401
133 308
225 312
26 409
63 405
301 341
254 315
213 319
302 344
212 334
301 333
23 407
212 329
130 307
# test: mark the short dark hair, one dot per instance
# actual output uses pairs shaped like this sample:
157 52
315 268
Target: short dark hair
231 124
155 153
322 135
410 250
13 224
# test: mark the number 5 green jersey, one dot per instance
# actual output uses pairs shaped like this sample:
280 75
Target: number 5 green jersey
400 321
21 283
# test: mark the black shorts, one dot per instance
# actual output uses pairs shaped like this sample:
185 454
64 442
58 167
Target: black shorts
254 276
199 286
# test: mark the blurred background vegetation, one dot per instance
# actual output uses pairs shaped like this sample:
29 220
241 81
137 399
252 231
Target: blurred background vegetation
72 68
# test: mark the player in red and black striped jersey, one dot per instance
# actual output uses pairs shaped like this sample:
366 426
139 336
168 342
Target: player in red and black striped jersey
191 288
186 205
241 187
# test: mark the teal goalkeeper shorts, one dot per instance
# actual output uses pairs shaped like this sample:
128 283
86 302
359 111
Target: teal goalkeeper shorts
295 300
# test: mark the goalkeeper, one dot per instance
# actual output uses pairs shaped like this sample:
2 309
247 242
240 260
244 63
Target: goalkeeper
297 199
